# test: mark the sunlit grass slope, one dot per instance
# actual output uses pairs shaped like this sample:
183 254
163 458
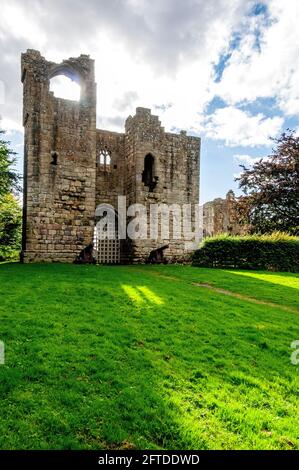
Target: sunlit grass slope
144 357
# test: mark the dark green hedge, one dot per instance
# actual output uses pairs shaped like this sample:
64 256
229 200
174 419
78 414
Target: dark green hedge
276 252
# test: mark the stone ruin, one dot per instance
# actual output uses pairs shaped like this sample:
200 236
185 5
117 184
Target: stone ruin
71 167
219 217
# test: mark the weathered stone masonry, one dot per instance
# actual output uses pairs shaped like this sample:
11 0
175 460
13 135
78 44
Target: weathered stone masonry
70 167
219 217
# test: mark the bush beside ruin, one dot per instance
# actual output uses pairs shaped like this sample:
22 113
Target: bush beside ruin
275 252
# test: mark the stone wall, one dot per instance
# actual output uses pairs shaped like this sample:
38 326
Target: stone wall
176 172
60 160
110 178
219 217
70 167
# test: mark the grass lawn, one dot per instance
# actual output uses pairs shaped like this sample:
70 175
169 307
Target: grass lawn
144 357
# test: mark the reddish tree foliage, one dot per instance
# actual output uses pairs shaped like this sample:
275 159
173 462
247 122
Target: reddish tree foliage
271 188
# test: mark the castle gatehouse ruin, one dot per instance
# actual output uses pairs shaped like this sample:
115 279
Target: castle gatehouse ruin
71 168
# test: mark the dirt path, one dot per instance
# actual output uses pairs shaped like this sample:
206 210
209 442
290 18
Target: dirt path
245 297
221 291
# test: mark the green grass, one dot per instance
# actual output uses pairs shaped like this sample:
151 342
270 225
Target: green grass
140 357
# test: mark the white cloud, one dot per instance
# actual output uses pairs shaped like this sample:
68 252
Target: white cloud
12 19
239 128
2 92
245 159
163 51
270 70
248 160
162 55
64 87
10 126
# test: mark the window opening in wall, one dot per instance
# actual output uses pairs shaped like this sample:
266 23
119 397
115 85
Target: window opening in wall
54 156
64 87
148 177
104 157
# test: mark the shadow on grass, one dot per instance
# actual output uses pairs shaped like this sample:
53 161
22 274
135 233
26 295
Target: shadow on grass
229 382
116 358
77 374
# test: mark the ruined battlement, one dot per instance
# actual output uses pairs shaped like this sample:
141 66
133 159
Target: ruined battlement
70 166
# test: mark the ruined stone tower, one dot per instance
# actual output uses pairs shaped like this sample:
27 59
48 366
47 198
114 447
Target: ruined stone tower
70 168
60 160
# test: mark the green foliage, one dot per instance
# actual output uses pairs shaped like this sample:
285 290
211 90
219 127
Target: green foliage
275 252
10 210
271 188
10 227
9 179
142 357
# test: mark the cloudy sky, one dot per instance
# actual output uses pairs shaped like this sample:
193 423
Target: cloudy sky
227 70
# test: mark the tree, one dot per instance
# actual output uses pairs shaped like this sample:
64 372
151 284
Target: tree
271 188
9 179
10 222
10 210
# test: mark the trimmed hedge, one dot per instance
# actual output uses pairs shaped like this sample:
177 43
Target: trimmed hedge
275 252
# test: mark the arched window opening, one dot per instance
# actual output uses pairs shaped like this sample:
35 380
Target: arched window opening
54 156
104 157
64 87
148 177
